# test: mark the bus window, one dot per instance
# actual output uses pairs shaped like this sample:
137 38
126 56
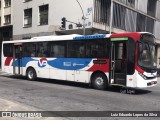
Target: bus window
43 49
58 49
8 50
29 49
76 49
131 48
97 49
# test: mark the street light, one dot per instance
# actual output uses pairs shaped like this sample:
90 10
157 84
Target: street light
83 18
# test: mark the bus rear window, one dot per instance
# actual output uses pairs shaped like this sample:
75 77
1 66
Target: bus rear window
8 50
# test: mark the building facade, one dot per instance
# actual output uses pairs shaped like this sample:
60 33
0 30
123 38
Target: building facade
5 20
43 17
6 28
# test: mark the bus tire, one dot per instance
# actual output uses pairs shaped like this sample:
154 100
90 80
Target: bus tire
99 81
31 74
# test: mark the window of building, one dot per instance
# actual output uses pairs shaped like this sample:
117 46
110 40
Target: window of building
7 3
28 17
141 20
6 35
149 25
102 11
27 0
43 15
7 19
151 8
0 4
144 23
119 14
131 3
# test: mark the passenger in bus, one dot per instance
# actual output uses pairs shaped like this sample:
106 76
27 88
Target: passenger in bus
39 53
32 54
46 53
81 51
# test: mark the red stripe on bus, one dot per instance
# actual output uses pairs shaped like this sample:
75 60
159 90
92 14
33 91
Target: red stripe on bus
8 61
100 67
139 70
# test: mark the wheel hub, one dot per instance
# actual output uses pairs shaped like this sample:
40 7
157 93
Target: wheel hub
99 81
30 74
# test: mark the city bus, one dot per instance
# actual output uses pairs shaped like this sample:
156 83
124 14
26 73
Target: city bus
101 60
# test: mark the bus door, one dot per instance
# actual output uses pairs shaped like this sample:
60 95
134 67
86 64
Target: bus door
118 68
17 59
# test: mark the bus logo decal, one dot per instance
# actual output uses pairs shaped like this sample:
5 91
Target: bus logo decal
42 62
75 64
67 63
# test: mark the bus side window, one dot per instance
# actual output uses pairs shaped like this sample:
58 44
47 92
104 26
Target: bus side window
97 48
39 53
76 49
29 49
81 51
58 49
8 50
42 49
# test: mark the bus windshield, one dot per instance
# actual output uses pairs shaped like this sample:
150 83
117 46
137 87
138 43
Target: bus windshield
147 55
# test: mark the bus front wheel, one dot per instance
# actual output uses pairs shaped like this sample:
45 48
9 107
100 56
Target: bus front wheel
99 81
31 74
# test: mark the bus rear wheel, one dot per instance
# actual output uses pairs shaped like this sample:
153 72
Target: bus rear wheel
99 81
31 74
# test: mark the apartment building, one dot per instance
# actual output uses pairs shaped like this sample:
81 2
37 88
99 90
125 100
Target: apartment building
5 20
43 17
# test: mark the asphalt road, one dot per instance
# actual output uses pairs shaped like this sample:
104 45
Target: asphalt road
51 95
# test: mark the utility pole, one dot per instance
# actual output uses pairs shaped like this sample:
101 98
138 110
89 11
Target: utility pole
83 18
111 17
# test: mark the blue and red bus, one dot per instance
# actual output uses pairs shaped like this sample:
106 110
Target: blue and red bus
122 59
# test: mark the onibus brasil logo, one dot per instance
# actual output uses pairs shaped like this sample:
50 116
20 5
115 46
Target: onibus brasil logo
42 62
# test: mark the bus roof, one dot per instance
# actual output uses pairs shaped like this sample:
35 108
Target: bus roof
45 38
134 35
